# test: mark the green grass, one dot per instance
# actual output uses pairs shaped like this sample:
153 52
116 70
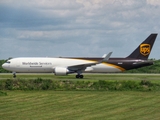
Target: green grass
80 105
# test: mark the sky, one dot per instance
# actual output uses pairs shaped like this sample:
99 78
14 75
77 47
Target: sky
77 28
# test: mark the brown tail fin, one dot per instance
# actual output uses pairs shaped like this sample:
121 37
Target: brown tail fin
144 49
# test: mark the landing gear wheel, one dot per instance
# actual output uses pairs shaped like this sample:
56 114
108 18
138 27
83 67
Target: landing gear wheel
14 75
79 76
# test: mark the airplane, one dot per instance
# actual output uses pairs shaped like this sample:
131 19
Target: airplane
67 65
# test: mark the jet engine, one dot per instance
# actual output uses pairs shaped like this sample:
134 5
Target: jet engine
61 71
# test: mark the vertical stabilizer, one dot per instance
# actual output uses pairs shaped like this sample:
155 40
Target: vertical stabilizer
144 49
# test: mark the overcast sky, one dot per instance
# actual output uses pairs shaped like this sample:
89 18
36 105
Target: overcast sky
77 28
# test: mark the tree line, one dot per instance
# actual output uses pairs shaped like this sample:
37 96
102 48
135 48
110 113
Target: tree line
155 68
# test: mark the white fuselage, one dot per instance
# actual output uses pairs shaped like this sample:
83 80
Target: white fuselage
47 65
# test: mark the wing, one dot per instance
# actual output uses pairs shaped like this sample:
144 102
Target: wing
82 67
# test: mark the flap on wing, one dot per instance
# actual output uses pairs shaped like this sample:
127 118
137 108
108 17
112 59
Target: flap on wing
81 66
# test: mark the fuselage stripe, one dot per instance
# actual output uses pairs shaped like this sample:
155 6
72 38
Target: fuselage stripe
115 66
105 63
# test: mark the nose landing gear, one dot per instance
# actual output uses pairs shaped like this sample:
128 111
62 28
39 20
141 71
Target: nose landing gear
14 75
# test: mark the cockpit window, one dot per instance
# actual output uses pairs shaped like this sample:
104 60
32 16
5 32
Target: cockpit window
8 62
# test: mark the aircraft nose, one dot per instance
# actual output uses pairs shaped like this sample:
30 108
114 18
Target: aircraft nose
5 66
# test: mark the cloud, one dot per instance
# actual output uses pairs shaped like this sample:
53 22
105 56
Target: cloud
153 2
76 27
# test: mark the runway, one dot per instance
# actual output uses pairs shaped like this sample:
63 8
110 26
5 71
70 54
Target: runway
87 76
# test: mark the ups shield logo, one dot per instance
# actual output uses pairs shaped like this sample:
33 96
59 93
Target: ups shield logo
145 49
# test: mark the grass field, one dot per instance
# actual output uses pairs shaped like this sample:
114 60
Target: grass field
81 105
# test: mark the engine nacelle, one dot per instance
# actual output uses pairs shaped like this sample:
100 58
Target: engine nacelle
61 71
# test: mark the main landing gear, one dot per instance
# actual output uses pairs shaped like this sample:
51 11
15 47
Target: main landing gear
79 76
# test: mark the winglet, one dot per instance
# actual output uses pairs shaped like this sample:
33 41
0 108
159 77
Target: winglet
105 57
